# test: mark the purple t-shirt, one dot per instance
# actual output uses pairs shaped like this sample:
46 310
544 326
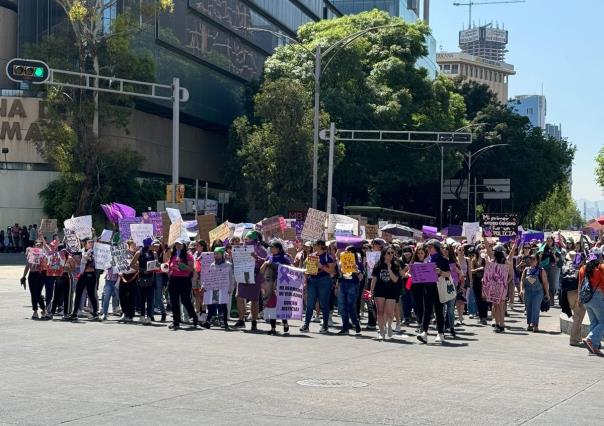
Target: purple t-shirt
324 260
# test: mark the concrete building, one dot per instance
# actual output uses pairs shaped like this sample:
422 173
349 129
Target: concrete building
554 130
200 42
534 107
482 59
409 10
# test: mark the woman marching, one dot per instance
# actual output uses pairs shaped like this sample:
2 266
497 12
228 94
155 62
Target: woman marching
32 271
533 288
269 271
386 288
498 256
251 291
180 263
87 280
127 286
593 271
148 264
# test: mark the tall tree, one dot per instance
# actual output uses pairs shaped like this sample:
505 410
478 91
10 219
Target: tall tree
600 167
557 211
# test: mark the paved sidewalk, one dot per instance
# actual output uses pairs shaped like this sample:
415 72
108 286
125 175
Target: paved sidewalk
85 373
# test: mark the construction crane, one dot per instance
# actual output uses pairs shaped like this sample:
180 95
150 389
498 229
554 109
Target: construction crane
471 3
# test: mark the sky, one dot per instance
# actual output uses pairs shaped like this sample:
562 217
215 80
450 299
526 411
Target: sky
554 44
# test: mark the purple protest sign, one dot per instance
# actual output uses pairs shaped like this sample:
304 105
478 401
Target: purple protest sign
124 226
298 226
538 236
429 232
424 273
290 293
454 231
154 218
343 242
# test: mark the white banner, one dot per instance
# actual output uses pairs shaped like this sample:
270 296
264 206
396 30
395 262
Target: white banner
82 225
140 232
244 264
102 255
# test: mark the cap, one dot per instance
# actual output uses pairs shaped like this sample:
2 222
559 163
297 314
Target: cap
219 250
182 241
252 235
155 242
499 248
434 243
379 241
277 244
320 243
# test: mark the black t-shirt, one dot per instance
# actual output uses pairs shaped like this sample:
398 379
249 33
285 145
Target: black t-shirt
382 274
441 262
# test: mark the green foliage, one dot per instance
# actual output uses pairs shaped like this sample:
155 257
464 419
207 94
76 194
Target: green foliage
557 211
600 167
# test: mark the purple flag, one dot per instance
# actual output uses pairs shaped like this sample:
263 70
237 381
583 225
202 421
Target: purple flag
126 211
107 210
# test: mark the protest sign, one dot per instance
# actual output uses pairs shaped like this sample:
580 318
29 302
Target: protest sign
371 231
106 236
343 230
454 230
173 214
102 255
140 232
244 264
314 225
216 285
495 282
155 219
348 263
206 260
177 232
289 234
530 236
470 230
499 225
290 291
429 232
82 225
124 226
205 224
299 215
299 227
271 227
343 242
121 258
575 235
312 265
72 242
34 255
454 274
372 258
338 219
220 233
423 272
152 266
48 226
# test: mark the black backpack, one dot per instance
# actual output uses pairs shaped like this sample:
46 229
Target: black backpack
569 277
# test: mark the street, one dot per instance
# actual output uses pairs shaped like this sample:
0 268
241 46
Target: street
55 372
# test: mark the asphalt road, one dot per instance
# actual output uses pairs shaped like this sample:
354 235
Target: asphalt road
52 372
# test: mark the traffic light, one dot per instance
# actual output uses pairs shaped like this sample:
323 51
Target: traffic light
27 70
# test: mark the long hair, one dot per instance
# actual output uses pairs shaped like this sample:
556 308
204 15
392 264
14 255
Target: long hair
452 255
417 248
183 253
591 266
382 262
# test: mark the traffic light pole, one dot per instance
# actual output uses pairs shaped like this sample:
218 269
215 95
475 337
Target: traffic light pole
118 86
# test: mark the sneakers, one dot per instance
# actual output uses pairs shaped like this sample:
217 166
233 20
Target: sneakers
357 330
105 317
35 315
397 329
95 317
342 333
286 329
330 322
324 330
439 338
304 329
272 332
254 326
239 324
45 315
142 319
174 326
163 317
423 337
389 331
380 336
483 321
206 325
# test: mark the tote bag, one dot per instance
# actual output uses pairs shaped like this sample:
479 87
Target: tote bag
446 290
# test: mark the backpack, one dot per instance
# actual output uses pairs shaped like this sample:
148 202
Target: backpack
570 277
586 292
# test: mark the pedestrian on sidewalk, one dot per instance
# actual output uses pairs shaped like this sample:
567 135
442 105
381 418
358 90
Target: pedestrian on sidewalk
534 288
593 271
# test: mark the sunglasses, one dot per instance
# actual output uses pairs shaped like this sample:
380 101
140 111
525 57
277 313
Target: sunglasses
389 252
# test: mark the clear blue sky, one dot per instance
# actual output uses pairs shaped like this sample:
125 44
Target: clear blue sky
557 44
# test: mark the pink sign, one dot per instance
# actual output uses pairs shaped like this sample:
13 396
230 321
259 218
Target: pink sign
495 282
424 273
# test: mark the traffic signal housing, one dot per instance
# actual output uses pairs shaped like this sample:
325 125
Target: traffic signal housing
27 70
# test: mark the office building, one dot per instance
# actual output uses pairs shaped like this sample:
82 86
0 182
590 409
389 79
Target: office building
554 130
200 42
409 10
482 59
534 107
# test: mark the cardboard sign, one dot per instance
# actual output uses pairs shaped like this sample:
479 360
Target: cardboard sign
48 226
124 226
177 231
206 260
344 230
220 233
314 226
271 227
312 265
102 255
372 258
289 234
173 214
244 264
338 219
499 225
216 285
371 232
495 282
140 232
290 293
72 242
106 236
423 273
82 225
121 258
205 224
470 230
348 263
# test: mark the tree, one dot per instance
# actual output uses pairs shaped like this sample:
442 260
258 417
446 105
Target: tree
69 129
600 167
557 211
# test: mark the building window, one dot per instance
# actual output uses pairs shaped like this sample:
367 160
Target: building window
455 69
109 15
481 74
490 75
529 111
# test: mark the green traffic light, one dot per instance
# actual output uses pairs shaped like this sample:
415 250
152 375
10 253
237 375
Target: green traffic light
39 72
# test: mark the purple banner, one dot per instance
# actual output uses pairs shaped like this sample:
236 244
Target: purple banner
343 242
424 273
298 226
454 231
290 293
539 236
154 218
124 226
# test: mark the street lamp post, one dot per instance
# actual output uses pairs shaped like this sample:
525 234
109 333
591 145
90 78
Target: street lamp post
319 54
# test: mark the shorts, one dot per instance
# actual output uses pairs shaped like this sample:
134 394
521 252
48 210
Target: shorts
249 291
388 290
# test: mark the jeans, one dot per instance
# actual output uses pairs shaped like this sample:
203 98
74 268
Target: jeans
159 293
347 298
34 279
595 311
553 279
318 288
49 287
472 305
450 314
109 291
533 296
180 292
87 281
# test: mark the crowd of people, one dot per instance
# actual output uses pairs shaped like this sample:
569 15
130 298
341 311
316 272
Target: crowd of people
164 280
16 238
